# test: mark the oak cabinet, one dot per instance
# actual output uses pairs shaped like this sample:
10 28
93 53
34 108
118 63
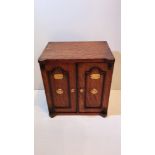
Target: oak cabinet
77 77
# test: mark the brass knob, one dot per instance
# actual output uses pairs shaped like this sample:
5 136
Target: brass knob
59 91
72 90
81 90
94 91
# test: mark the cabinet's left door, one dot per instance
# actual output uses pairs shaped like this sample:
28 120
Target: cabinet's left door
60 87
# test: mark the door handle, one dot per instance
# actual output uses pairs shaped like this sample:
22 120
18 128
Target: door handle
72 90
81 90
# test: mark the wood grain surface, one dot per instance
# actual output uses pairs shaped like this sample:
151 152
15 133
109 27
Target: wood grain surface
77 51
77 77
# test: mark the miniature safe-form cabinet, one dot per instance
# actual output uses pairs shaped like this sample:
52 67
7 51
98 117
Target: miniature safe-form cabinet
77 77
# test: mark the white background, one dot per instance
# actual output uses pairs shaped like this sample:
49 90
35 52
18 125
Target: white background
63 20
75 20
16 83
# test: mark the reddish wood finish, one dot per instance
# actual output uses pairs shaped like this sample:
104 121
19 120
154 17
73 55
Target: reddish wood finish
89 102
77 61
77 51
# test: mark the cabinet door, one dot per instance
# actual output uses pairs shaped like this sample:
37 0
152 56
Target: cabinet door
94 81
62 86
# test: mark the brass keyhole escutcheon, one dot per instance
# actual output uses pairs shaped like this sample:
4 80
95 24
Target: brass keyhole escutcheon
94 91
59 91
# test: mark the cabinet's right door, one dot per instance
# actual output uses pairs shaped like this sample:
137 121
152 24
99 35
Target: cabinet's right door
94 80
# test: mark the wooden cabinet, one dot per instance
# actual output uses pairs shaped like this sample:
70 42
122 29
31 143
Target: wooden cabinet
77 77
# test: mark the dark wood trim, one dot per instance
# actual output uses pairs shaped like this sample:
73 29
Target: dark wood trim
79 113
52 112
77 105
42 66
110 66
76 61
104 112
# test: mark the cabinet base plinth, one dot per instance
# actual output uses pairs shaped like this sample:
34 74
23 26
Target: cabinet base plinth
103 114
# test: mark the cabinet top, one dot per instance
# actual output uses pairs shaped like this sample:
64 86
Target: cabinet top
91 50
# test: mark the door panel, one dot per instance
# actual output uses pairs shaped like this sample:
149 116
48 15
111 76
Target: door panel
94 82
60 88
91 78
61 80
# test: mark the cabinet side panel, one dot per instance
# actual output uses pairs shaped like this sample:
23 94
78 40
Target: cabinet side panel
108 81
46 87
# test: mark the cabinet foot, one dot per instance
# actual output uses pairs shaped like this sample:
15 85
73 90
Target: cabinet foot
52 115
104 113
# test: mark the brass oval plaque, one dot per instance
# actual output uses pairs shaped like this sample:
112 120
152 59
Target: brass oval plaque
95 76
58 76
59 91
94 91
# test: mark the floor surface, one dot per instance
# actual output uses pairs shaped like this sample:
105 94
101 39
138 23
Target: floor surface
77 135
